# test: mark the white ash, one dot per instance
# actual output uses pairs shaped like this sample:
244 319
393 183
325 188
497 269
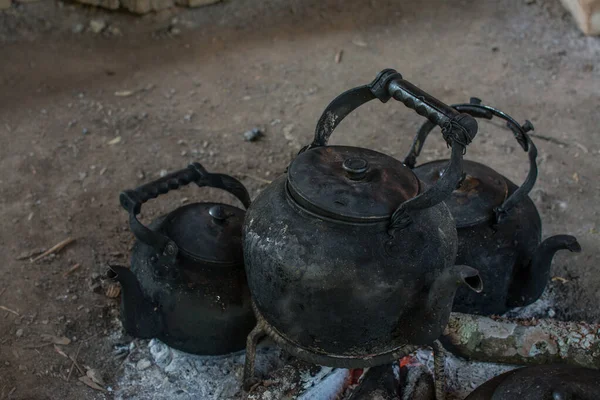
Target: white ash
177 375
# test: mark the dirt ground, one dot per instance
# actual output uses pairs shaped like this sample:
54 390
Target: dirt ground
84 115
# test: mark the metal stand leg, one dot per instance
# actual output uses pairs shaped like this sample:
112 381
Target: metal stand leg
439 363
254 337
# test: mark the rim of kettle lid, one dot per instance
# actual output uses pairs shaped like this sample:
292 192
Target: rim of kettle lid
350 183
207 232
481 190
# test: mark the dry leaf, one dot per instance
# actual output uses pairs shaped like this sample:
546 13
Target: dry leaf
559 279
55 339
94 375
89 382
59 351
113 290
359 43
338 56
576 177
124 93
115 140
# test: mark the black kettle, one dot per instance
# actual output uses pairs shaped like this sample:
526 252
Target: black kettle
541 382
186 285
499 227
349 259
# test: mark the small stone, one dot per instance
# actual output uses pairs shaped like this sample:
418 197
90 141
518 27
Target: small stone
252 135
163 173
141 175
97 25
551 313
85 131
95 275
19 332
143 364
287 132
113 30
78 28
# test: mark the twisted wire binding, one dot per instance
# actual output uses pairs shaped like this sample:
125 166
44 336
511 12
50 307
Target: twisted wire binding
453 131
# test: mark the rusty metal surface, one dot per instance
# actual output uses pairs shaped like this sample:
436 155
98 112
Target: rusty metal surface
318 181
481 190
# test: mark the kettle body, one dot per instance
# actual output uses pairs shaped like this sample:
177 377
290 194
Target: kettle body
499 227
347 256
187 285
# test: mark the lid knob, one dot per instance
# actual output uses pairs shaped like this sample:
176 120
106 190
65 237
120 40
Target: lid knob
217 213
355 167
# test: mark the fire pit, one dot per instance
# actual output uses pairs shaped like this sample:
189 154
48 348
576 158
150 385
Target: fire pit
350 263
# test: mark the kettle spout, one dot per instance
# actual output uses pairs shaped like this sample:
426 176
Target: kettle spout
137 314
529 283
441 294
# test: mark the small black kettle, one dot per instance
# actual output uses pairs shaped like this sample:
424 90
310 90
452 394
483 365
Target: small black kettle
499 227
541 382
187 285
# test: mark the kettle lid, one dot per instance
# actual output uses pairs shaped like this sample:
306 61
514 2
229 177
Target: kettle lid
207 232
481 190
350 183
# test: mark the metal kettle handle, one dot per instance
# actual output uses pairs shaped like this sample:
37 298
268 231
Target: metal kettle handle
478 110
458 129
132 200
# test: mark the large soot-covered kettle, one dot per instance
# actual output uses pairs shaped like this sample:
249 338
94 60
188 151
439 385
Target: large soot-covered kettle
542 382
186 285
499 227
348 258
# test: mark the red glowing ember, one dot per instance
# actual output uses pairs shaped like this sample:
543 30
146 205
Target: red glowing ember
408 361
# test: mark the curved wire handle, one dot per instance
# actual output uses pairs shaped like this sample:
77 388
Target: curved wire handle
132 200
478 110
458 129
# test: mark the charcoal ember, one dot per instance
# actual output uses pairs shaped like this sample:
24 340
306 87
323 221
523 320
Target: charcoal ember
302 381
378 383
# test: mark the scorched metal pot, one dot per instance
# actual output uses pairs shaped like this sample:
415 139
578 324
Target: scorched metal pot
186 285
499 227
348 259
542 382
